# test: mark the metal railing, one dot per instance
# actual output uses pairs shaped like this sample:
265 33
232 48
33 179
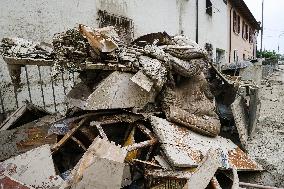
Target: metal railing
37 86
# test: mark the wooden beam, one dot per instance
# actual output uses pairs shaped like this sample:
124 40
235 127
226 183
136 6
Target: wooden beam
68 135
258 186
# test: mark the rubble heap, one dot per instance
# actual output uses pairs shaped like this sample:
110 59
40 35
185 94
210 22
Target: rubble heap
143 116
21 48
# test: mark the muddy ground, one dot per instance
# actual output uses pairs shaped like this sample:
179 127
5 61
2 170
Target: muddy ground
267 143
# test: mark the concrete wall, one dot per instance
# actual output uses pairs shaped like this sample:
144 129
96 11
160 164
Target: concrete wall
38 20
243 47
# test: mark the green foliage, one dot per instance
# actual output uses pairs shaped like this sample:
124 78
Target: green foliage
267 54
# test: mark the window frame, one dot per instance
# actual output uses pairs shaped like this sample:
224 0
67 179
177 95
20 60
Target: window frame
209 7
236 23
251 35
243 29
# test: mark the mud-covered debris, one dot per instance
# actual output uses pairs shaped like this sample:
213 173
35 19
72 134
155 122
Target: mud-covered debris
118 91
151 114
22 48
241 119
34 168
204 172
101 154
185 148
22 139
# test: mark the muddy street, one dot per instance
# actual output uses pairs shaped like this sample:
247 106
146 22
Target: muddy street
267 143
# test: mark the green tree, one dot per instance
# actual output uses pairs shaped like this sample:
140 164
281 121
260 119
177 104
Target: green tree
267 54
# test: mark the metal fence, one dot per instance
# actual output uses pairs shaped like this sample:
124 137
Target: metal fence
37 86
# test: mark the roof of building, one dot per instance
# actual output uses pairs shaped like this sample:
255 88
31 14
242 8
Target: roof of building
241 6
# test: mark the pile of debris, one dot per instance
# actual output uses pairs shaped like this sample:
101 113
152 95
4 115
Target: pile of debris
21 48
143 116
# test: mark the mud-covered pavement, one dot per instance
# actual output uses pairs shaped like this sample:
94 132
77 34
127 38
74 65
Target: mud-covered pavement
267 143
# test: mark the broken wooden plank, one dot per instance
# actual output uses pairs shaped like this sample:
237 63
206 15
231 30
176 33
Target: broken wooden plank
205 171
27 61
80 144
147 163
119 117
143 144
214 184
34 168
98 125
185 148
169 174
68 135
222 76
107 66
25 114
257 186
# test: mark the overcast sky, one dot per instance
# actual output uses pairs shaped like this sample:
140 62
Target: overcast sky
273 22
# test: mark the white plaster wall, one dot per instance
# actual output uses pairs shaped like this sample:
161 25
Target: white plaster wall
188 18
148 15
211 29
214 29
38 20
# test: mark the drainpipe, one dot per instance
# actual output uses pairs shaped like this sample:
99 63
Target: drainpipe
196 36
230 39
180 17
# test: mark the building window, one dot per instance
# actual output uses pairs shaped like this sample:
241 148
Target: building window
123 25
236 58
236 23
247 32
239 24
209 49
220 56
251 35
209 7
243 29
